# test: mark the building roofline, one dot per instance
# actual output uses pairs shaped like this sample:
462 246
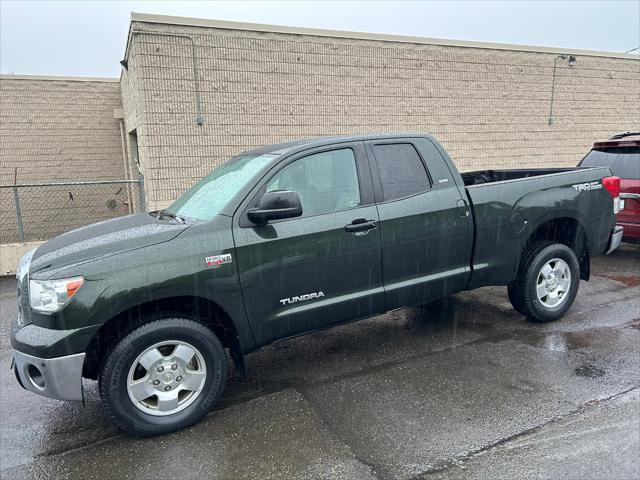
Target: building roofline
9 76
259 27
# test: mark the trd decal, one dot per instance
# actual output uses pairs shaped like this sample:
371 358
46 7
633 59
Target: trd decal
301 298
581 187
217 260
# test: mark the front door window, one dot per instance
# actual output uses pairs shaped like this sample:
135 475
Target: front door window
325 182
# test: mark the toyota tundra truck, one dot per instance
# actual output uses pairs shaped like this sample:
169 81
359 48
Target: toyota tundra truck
287 240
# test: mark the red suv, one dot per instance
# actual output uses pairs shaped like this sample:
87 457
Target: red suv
621 153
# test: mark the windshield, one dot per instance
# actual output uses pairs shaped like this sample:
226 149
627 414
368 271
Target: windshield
207 197
624 162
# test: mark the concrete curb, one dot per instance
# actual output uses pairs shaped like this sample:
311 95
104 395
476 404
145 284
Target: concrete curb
10 254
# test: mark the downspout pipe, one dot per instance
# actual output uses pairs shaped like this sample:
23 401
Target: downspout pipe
126 163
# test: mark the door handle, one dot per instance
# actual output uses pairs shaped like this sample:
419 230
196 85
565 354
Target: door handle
360 225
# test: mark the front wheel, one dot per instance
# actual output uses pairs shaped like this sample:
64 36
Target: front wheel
547 282
163 376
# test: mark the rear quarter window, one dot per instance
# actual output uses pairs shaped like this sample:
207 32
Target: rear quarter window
624 162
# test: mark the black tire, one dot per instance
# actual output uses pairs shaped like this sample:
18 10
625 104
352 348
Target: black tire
114 375
512 292
522 292
512 289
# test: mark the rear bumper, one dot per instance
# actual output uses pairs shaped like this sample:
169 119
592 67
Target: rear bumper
631 230
59 378
615 239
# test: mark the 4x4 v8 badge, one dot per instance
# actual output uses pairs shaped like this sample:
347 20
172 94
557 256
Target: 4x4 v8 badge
217 260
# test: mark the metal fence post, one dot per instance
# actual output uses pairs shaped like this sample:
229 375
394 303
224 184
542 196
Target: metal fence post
143 202
16 200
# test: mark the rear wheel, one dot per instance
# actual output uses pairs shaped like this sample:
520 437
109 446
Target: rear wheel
163 376
547 282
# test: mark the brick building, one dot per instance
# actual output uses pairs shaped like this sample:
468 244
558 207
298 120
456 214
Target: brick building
488 104
195 92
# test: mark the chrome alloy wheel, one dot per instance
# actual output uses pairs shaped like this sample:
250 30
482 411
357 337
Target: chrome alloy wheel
554 282
166 378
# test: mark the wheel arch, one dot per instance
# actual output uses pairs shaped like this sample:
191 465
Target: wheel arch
203 310
568 230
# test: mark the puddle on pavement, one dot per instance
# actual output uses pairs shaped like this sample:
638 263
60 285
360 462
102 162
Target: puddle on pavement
565 341
552 341
589 371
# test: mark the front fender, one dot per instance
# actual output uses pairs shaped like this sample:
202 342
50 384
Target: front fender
172 269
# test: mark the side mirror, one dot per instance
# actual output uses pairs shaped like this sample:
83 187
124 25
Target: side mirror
275 206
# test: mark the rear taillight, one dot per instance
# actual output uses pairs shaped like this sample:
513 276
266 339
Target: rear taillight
612 185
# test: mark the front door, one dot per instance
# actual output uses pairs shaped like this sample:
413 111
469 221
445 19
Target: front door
322 268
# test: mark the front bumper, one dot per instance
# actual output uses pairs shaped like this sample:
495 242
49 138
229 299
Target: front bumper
616 239
59 378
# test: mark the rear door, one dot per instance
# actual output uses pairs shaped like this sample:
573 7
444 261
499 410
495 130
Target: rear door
425 223
322 268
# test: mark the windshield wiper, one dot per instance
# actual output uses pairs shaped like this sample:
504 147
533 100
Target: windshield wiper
167 213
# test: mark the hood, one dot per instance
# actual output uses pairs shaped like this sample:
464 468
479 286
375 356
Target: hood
103 239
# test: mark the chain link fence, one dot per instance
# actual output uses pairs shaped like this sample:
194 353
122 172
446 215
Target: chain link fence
40 211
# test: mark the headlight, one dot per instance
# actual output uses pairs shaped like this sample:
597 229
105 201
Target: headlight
51 295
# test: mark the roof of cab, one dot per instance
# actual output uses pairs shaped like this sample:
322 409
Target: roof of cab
304 144
615 144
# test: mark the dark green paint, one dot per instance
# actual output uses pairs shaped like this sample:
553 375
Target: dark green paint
425 247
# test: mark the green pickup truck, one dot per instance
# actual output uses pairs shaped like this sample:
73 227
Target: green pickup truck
285 240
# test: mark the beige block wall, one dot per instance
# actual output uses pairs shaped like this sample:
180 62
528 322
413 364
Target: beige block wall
58 129
489 107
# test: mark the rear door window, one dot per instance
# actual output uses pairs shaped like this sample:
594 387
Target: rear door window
624 162
402 172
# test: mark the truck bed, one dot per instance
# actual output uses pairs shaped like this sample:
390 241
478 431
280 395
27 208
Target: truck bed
480 177
508 203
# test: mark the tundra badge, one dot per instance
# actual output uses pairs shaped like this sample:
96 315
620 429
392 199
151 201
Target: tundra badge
301 298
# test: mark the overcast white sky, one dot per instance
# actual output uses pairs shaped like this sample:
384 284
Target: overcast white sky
87 38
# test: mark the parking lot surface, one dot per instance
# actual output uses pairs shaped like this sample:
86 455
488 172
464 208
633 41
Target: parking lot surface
472 390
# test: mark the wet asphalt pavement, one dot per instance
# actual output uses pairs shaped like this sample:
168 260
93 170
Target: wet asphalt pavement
469 391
